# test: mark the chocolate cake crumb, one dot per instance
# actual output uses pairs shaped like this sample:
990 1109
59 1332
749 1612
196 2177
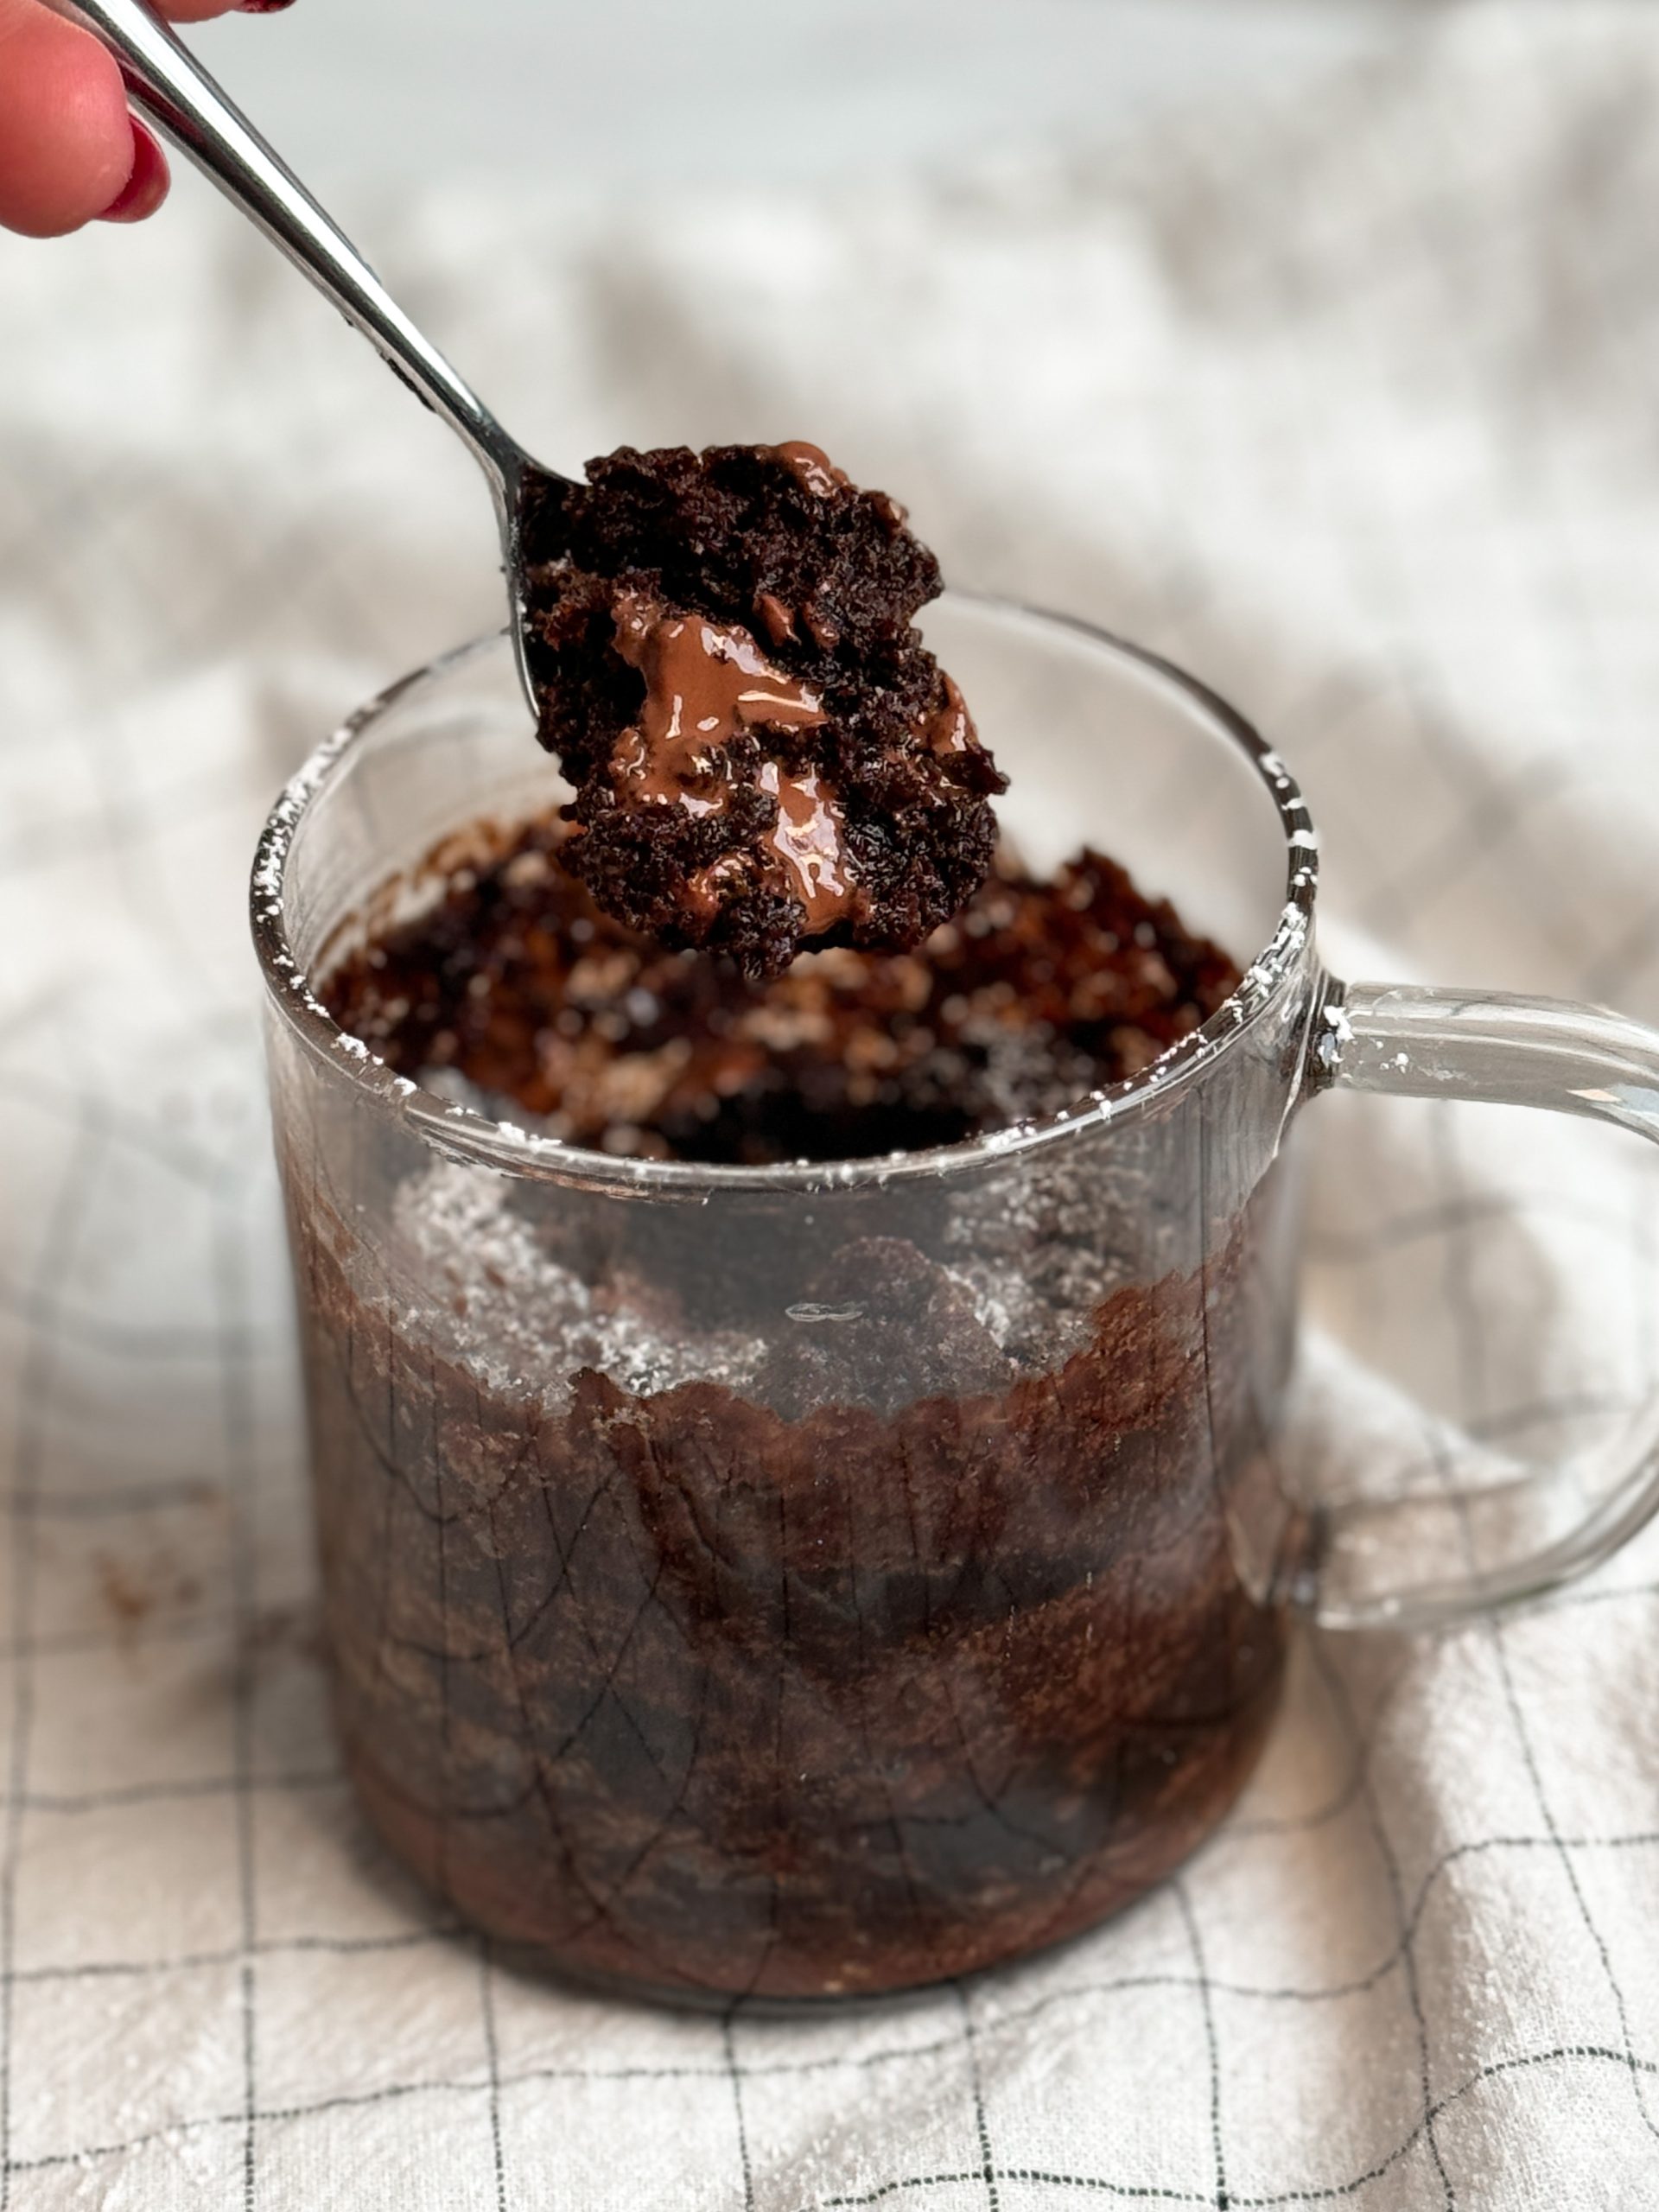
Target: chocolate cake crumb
764 753
1036 995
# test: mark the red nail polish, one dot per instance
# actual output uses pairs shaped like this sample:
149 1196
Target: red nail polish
261 7
146 184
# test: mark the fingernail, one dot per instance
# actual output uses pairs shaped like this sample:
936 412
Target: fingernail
261 7
146 184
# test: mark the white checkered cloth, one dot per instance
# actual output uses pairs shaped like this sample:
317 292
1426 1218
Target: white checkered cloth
1351 407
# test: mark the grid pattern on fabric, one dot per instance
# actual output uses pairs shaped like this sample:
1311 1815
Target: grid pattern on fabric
1348 408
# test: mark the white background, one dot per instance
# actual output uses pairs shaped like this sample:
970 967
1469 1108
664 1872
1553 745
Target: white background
356 91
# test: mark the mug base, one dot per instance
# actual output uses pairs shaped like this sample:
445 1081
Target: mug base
802 1979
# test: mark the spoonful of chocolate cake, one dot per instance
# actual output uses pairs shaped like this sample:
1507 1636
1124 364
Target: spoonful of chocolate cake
765 753
719 647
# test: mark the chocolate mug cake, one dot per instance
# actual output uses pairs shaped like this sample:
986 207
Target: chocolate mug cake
792 1459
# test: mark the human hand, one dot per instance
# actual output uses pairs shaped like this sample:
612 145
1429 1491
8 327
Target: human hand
69 150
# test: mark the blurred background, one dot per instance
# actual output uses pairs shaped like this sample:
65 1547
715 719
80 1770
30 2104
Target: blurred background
363 93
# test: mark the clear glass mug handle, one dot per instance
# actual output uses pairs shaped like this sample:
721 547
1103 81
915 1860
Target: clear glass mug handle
1389 1563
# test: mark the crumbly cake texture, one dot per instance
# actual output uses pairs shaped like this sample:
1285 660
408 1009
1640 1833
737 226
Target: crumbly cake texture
1036 995
764 753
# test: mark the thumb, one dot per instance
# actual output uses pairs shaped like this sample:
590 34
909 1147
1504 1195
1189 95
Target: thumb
66 143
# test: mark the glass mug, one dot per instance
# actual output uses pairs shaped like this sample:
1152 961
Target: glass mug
813 1580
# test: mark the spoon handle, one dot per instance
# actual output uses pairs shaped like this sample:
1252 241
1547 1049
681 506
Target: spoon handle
165 81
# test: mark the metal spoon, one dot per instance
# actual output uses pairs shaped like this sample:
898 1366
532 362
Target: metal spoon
170 86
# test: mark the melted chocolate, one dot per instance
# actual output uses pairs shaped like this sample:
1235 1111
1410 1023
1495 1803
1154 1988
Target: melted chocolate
704 681
813 467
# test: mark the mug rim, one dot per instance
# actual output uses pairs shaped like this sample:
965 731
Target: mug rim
461 1132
